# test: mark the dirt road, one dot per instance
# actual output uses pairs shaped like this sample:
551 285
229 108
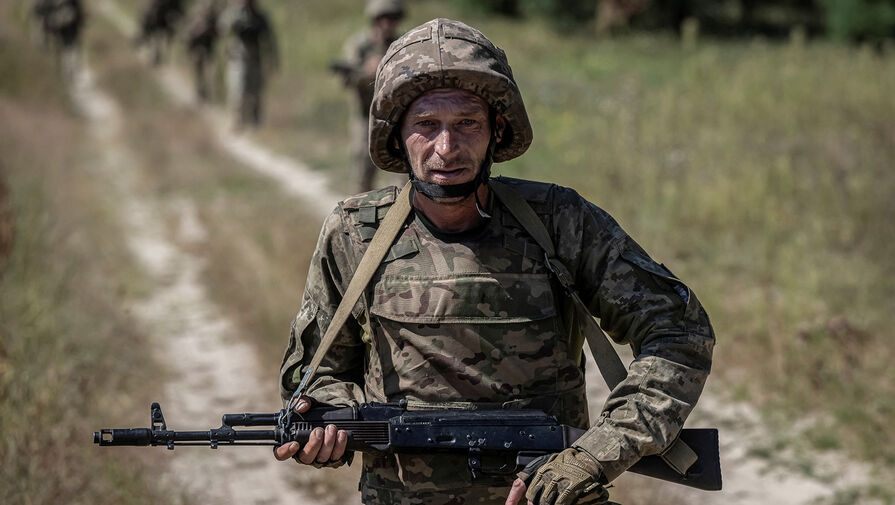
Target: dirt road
214 371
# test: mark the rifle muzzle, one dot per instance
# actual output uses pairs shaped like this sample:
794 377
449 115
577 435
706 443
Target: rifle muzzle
134 436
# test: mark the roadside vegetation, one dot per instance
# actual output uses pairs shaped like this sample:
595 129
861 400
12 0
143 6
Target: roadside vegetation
257 238
759 171
65 279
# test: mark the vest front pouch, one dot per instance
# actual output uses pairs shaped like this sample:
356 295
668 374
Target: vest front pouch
483 298
488 337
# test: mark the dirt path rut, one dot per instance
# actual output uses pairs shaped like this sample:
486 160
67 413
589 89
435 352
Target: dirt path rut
293 176
215 371
212 370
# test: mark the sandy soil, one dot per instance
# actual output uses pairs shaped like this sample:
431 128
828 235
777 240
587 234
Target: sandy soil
212 370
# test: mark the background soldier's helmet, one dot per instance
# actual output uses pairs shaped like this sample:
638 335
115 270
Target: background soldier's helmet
444 54
376 8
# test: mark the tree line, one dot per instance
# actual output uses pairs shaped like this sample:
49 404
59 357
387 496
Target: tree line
844 20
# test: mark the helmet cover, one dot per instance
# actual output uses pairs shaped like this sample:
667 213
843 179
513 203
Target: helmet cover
443 53
376 8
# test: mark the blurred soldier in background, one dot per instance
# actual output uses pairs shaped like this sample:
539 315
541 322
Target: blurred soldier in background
157 26
60 23
252 54
613 14
202 34
361 54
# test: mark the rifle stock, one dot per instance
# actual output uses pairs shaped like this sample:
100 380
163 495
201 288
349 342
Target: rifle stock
705 474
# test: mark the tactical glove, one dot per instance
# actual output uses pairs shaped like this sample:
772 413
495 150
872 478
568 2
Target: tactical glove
567 478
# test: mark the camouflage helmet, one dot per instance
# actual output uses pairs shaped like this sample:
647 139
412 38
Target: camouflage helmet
376 8
444 54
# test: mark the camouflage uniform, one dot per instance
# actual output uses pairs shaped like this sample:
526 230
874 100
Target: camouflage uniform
252 52
357 52
157 25
476 320
358 49
60 20
201 37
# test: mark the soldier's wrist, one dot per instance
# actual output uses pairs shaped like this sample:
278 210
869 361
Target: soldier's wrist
594 466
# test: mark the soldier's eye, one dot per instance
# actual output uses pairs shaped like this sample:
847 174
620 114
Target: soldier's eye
425 123
468 122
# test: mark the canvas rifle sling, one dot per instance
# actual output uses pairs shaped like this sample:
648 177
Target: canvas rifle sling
678 455
369 263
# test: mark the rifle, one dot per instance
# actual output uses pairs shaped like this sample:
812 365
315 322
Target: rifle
343 70
500 442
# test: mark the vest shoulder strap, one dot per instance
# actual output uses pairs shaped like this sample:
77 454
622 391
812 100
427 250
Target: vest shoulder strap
678 455
611 367
369 263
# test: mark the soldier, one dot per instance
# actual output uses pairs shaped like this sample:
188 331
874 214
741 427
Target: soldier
467 310
201 37
361 54
61 22
252 54
157 26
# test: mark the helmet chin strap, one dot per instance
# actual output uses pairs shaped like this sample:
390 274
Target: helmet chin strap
464 189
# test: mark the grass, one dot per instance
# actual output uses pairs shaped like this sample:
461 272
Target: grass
257 238
65 334
760 172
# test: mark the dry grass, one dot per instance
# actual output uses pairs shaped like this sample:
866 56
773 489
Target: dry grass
258 238
64 331
761 173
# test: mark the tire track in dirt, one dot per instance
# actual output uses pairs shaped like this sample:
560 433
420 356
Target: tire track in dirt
748 479
211 369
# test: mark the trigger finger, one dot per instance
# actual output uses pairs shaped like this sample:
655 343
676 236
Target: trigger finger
303 405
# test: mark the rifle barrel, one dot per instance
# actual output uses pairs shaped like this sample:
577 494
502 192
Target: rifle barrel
146 436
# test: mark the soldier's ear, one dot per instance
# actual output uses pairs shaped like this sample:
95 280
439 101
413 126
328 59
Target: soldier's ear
500 124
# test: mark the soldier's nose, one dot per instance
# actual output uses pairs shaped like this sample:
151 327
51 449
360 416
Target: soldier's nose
443 142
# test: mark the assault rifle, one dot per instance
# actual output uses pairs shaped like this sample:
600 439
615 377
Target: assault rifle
495 441
342 69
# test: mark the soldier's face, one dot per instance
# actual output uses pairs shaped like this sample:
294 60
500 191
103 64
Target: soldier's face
386 25
446 134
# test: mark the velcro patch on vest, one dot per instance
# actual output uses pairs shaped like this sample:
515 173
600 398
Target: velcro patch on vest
464 298
406 246
367 215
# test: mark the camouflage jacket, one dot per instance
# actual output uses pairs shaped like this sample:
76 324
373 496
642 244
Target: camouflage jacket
250 37
478 318
357 50
58 15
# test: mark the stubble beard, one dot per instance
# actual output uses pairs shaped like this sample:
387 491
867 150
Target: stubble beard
435 163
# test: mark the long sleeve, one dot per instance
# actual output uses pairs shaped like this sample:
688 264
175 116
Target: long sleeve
339 378
354 53
640 303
